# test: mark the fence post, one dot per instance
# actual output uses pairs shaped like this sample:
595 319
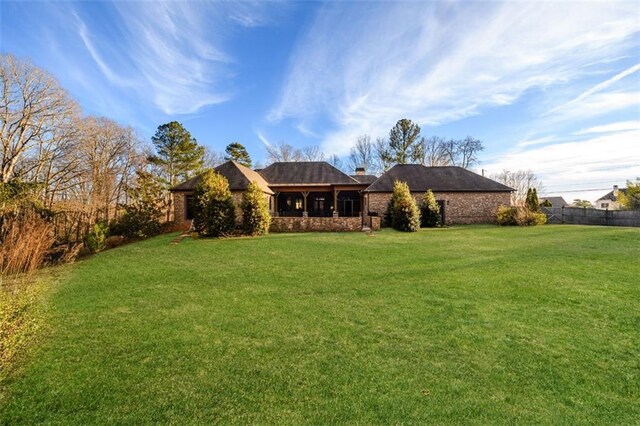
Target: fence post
562 214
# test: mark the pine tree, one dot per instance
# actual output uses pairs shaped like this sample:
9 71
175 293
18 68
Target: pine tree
430 211
255 211
535 203
215 212
404 142
178 156
237 152
531 202
403 210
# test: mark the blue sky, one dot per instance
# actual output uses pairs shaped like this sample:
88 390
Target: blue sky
553 87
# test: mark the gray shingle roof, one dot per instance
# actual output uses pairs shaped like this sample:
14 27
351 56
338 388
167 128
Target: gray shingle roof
609 196
366 179
305 172
438 179
555 201
238 176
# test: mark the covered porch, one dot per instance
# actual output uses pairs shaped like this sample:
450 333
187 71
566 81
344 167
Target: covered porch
317 202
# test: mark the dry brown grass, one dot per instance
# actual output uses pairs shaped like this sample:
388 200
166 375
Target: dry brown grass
25 241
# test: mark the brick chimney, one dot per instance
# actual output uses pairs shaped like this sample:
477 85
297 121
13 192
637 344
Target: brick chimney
360 171
615 191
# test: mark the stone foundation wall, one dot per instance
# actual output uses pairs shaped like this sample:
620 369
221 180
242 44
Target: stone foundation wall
320 224
460 207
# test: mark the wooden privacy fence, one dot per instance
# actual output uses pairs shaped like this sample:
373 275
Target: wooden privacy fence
584 216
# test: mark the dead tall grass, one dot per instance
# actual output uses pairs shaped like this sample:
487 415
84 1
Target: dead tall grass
25 240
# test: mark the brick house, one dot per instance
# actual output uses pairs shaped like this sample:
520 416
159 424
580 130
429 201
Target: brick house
239 178
314 196
464 197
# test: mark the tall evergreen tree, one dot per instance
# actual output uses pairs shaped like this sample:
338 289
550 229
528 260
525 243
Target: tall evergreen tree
178 156
404 142
237 152
535 203
531 202
255 211
215 212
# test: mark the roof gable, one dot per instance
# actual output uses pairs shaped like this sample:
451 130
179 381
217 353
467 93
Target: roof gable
611 197
237 175
305 173
439 179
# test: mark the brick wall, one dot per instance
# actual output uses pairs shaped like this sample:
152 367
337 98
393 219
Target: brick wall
180 211
460 207
319 224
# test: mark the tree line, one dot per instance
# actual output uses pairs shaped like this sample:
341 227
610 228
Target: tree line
85 174
404 144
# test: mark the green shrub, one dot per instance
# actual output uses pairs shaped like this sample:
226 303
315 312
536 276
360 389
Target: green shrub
255 211
95 240
520 216
141 217
215 213
137 222
430 211
403 211
526 217
506 216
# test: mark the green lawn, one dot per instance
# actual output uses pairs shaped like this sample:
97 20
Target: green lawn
458 325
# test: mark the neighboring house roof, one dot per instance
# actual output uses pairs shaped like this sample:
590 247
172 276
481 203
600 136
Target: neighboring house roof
238 176
609 196
555 201
365 179
305 173
438 179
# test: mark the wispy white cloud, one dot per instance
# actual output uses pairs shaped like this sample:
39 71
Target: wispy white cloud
305 131
612 127
263 138
593 102
578 164
171 53
446 61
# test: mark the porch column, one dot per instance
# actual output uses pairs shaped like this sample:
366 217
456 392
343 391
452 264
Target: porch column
335 202
304 204
275 204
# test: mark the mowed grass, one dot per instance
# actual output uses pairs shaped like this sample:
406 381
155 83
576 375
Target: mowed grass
458 325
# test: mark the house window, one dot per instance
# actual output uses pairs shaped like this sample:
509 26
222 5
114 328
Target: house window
190 202
298 203
604 205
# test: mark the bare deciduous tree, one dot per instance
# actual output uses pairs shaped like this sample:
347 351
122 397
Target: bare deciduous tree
384 161
283 152
362 155
463 153
432 152
212 158
33 108
336 162
521 181
312 153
